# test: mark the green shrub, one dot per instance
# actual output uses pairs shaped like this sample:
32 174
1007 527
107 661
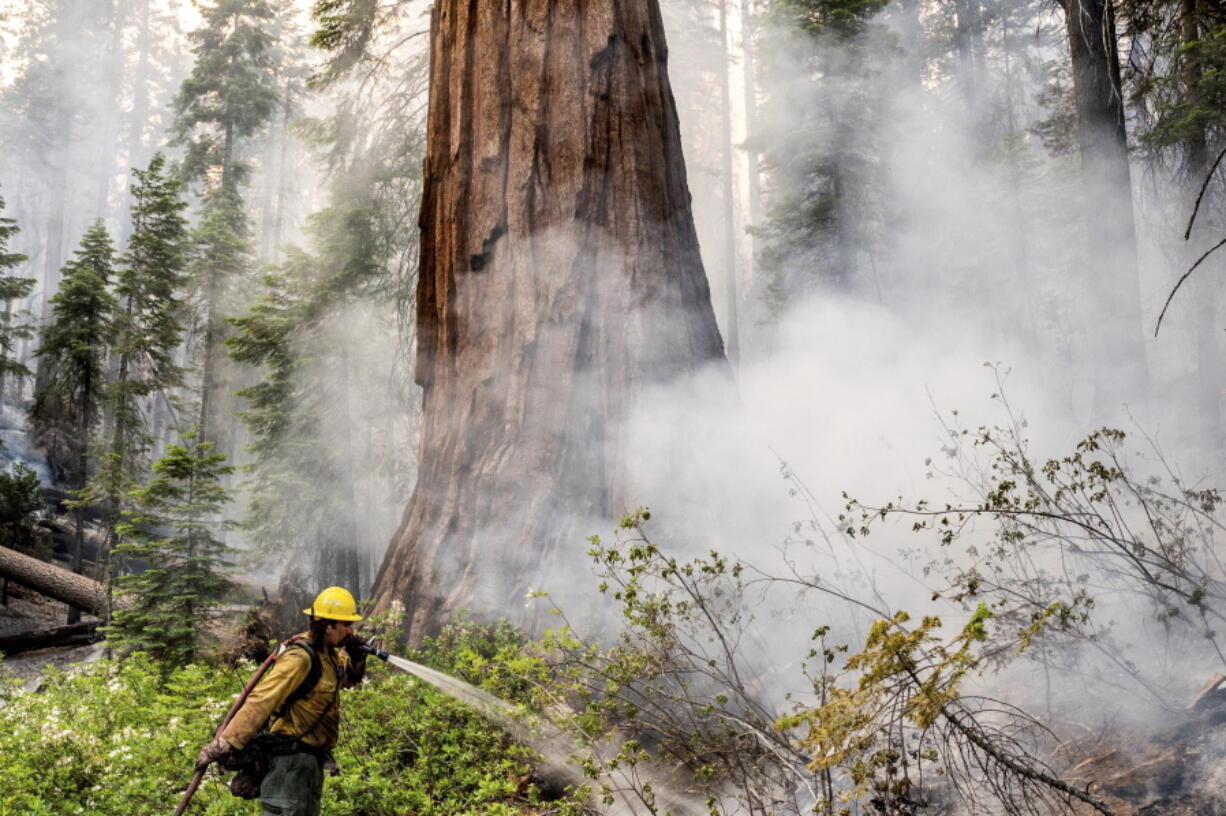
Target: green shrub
110 738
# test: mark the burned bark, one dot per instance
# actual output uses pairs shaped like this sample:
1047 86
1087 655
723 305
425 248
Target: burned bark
560 276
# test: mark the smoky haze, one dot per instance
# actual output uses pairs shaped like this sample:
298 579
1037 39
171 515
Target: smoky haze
957 239
959 271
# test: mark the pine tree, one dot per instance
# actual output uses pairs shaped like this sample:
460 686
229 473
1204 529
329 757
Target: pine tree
149 325
148 329
12 288
823 173
223 253
72 358
174 529
231 93
73 355
229 97
20 506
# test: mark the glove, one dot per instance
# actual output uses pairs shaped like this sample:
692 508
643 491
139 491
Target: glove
353 645
331 767
212 752
357 659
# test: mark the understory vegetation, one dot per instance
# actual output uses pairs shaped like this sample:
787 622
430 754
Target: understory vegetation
114 738
1072 564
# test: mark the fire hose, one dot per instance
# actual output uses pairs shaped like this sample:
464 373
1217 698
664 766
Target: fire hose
238 703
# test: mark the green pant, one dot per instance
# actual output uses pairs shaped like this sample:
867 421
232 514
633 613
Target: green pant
293 787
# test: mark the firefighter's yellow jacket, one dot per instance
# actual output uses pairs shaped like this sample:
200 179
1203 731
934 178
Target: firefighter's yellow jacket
315 719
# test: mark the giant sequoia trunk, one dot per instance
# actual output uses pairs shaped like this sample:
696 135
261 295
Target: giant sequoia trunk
560 276
1111 251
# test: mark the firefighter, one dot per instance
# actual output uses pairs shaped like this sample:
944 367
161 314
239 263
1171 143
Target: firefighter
294 711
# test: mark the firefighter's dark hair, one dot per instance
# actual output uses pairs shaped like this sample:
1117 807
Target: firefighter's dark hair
318 629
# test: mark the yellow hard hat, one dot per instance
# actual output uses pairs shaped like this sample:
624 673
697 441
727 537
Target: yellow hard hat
334 603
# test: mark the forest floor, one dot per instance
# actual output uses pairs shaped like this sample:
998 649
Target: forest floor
29 612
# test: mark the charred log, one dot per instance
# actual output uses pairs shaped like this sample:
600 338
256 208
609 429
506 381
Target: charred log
76 634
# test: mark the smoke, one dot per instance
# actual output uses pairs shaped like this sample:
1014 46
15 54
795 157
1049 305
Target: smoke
967 248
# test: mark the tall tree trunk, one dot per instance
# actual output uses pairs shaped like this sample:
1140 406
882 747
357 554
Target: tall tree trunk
282 189
751 123
350 545
5 354
560 276
1022 287
140 107
107 130
731 333
968 43
208 364
1111 252
227 156
54 253
82 476
69 23
268 183
843 271
123 465
1207 329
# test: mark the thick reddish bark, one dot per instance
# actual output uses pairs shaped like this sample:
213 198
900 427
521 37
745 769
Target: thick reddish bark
560 275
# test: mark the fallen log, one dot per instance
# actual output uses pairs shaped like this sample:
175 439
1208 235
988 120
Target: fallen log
53 581
1210 694
76 634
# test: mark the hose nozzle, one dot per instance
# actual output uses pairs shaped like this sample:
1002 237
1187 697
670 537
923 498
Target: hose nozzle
371 650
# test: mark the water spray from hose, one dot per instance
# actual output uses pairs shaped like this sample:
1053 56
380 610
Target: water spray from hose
543 736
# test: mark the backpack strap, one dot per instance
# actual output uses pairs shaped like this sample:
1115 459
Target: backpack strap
308 683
